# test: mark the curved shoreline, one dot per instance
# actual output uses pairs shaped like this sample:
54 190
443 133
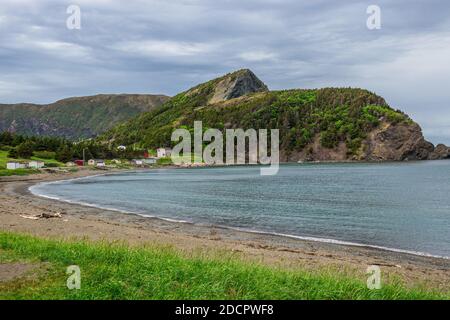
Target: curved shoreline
79 222
239 229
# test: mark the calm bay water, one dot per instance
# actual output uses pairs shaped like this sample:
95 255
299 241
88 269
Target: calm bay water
402 206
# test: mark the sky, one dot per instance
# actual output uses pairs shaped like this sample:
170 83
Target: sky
160 46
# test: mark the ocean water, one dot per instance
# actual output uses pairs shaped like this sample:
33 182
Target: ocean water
398 206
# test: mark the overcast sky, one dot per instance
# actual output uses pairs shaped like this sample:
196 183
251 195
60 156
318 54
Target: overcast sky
166 46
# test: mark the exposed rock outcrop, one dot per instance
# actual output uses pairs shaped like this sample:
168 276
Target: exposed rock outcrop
440 152
394 142
237 84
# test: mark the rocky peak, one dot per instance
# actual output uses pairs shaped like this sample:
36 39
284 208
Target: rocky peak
237 84
440 152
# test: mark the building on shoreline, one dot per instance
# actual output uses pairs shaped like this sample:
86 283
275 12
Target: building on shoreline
13 165
163 152
36 164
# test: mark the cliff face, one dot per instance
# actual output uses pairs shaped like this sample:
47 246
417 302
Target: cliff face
397 142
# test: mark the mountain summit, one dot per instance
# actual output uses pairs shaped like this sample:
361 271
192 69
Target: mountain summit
237 84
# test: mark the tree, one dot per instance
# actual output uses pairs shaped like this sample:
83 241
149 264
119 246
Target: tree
25 149
6 138
64 154
13 153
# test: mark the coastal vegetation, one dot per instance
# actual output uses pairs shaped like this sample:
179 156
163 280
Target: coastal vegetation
53 151
118 271
303 116
76 118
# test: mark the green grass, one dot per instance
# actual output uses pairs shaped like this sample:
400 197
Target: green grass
17 172
21 172
3 159
116 271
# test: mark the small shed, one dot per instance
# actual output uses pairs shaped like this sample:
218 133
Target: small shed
96 162
163 152
100 163
137 162
149 160
15 165
36 164
79 163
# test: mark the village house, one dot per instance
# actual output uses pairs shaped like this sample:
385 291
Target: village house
96 162
36 164
163 152
70 164
137 162
149 160
16 165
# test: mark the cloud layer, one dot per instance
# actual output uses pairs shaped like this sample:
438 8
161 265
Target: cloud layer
168 46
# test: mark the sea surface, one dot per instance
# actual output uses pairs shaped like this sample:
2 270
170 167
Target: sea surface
396 206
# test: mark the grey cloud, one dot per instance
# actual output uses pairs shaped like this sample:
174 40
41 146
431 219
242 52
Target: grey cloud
166 47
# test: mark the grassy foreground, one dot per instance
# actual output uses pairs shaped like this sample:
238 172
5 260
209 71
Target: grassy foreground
116 271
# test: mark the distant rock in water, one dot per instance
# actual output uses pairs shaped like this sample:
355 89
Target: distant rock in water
440 152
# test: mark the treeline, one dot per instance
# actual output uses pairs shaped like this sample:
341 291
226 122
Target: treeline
61 149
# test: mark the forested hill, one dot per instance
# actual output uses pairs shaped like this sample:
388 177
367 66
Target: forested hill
75 118
320 124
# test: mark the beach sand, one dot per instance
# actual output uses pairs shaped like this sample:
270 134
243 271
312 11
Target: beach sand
77 222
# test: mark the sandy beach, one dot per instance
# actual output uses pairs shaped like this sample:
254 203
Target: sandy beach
76 222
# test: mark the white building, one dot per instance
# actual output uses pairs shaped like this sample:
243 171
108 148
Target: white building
70 164
137 162
150 160
121 148
163 152
15 165
96 162
36 164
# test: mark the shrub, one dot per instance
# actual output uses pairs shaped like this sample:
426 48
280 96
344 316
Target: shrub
45 154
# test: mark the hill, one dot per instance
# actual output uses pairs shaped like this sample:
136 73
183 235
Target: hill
75 118
330 124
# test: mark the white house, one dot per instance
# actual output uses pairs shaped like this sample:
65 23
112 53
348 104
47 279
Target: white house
15 165
137 162
96 162
121 148
70 164
36 164
150 160
163 152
